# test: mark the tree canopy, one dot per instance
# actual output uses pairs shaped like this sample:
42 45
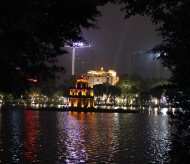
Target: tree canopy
173 20
131 86
33 34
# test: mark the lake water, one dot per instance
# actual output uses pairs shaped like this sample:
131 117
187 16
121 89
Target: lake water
75 137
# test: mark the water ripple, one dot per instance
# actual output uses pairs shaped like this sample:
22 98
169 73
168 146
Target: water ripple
76 137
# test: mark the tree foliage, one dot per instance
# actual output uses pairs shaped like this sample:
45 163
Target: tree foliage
111 91
157 92
114 91
173 20
131 86
99 90
33 34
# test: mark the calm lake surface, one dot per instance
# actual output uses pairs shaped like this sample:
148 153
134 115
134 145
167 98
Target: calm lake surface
28 136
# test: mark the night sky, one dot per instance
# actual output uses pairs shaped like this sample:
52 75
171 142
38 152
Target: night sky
111 44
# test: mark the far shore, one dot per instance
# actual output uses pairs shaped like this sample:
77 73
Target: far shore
86 110
127 109
72 109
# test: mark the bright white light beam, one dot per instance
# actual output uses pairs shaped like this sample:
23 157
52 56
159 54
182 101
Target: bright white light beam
74 46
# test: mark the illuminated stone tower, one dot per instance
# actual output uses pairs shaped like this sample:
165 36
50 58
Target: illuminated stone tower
81 95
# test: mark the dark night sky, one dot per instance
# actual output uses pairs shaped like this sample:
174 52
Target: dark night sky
115 39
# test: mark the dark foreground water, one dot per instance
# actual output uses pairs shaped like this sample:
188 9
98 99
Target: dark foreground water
75 137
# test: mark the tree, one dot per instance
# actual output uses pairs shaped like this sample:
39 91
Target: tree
111 91
144 97
157 92
33 34
108 90
114 91
173 20
125 87
99 90
131 86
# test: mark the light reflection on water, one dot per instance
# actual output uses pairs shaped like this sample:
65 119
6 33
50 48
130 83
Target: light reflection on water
78 137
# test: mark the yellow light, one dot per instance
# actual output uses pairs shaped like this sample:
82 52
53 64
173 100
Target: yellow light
32 80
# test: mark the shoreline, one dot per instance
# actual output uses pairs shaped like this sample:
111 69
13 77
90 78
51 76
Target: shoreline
85 110
76 109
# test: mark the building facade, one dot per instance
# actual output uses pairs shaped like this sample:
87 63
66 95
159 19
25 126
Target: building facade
81 95
101 76
144 65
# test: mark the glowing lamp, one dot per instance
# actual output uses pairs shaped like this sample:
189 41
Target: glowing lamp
78 44
33 80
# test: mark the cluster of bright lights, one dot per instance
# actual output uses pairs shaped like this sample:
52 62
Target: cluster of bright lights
77 44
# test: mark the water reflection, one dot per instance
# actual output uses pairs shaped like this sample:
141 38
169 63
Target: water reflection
154 110
31 129
71 135
15 136
80 137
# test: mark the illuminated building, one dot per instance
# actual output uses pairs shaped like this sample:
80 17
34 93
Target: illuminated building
101 76
81 95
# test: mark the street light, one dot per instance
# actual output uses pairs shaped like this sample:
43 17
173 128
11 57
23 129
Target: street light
74 46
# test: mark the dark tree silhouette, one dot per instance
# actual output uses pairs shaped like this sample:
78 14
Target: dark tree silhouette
33 34
99 90
157 92
114 91
173 21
